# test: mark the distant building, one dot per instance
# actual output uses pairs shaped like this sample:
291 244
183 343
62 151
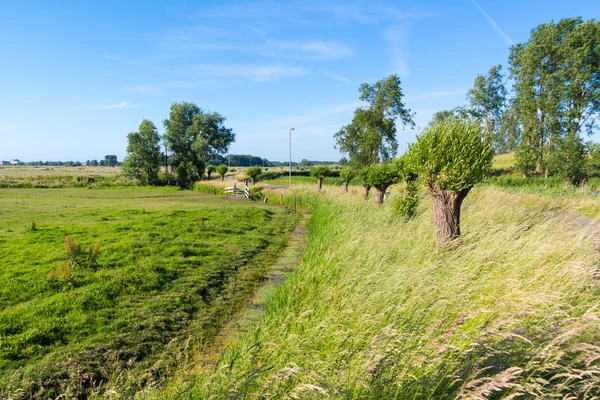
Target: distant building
14 161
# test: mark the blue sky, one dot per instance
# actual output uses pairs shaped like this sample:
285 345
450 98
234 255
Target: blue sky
76 77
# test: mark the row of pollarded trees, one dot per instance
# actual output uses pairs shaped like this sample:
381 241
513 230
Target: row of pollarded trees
449 157
192 136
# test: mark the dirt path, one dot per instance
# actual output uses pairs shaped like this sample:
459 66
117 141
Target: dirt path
287 261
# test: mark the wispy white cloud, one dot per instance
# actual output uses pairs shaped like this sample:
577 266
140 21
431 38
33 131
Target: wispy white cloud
163 86
315 50
396 39
435 95
8 128
138 63
318 115
494 25
122 104
337 77
257 73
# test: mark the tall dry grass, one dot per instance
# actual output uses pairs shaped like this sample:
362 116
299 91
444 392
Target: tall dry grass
374 312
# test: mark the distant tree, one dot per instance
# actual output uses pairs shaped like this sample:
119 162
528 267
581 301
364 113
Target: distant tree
319 172
101 163
143 154
94 163
346 175
253 173
222 170
487 99
305 163
209 170
363 175
450 157
371 136
343 161
381 177
193 136
110 160
592 161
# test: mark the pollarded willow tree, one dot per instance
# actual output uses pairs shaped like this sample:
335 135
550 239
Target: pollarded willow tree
319 172
381 177
222 170
253 173
346 175
143 158
450 157
371 136
193 136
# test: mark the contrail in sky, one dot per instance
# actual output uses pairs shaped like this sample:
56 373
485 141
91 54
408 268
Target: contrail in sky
495 26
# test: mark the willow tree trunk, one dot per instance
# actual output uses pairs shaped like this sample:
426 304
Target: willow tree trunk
446 214
367 190
346 186
380 195
319 184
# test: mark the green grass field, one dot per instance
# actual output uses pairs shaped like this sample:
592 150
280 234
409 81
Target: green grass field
172 267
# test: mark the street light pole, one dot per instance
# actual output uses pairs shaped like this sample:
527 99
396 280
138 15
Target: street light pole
291 129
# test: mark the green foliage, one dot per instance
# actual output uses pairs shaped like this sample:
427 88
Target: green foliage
110 160
143 159
592 162
320 171
222 170
347 174
382 176
407 204
557 87
169 274
210 169
371 136
487 101
254 172
193 136
452 155
568 160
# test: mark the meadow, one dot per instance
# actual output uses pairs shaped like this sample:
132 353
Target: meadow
375 312
120 285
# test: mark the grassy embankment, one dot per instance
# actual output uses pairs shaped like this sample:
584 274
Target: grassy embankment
172 267
375 312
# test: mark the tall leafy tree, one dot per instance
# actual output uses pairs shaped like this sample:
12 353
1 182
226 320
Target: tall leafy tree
371 136
193 136
143 159
557 86
487 100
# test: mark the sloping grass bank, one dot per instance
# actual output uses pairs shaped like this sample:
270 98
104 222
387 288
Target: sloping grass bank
374 312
